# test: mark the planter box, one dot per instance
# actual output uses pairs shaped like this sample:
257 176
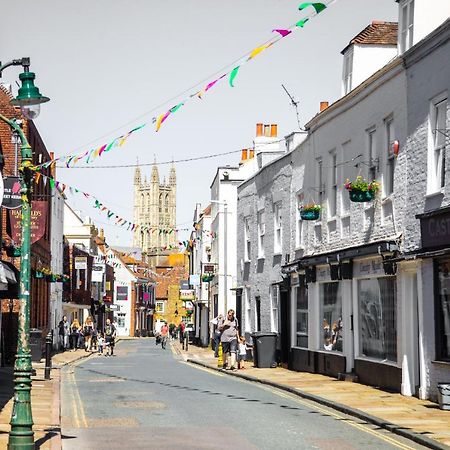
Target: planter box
361 196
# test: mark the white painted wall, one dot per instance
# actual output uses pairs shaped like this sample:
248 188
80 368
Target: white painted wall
428 15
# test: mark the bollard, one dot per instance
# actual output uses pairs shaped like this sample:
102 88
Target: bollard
48 354
220 358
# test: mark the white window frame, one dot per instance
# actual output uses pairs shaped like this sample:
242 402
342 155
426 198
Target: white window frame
248 310
406 25
161 305
388 178
347 72
436 150
371 153
321 187
261 232
333 197
277 229
274 307
300 232
247 240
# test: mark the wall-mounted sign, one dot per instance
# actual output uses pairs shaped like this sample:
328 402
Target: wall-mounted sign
97 273
209 268
38 222
11 194
81 262
122 293
114 307
187 294
435 229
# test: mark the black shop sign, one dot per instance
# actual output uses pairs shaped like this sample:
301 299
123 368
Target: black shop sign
435 229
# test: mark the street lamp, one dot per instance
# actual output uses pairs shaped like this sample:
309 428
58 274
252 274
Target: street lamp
21 435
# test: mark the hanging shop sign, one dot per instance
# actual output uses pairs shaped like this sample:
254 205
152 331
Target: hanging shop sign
97 273
187 294
37 225
11 194
80 262
122 293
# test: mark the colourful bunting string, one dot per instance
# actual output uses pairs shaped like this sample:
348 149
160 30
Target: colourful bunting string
319 7
283 33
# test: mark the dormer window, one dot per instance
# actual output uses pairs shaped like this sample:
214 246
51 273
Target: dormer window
406 27
348 71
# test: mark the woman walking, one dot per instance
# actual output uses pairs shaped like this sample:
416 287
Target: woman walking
74 334
88 329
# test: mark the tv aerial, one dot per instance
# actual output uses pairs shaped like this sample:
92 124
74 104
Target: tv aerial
295 104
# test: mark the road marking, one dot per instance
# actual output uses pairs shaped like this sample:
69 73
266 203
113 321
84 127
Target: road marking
74 405
210 371
350 422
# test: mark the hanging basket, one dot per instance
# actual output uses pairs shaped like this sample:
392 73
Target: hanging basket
361 196
39 274
309 215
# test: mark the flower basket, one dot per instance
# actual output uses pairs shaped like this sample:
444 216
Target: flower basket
207 278
39 274
361 190
310 211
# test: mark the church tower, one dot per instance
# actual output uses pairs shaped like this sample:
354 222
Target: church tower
155 213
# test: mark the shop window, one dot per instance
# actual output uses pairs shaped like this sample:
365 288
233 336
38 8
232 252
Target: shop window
274 307
443 311
331 309
378 318
301 296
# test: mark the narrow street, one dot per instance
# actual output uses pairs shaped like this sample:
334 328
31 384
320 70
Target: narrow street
146 397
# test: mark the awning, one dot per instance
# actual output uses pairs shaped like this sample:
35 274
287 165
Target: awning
9 280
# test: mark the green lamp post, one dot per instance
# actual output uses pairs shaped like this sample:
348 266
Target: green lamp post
21 435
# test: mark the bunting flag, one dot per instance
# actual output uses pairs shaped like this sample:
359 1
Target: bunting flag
319 7
283 33
233 74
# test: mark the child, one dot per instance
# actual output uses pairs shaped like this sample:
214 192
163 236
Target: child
242 352
100 343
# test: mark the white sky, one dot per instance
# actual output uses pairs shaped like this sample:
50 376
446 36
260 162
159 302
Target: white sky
103 63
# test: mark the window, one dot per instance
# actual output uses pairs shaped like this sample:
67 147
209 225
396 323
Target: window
277 228
300 241
248 309
443 310
274 307
248 244
406 27
331 311
378 318
347 72
159 307
320 186
160 203
438 125
301 296
257 313
332 200
390 164
121 320
371 154
166 203
261 233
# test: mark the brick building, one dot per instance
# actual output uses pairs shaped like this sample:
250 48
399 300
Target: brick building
40 250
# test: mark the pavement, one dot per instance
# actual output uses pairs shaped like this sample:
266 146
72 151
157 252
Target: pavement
419 420
45 401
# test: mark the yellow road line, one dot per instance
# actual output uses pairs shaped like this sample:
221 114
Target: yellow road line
80 403
350 422
205 369
74 404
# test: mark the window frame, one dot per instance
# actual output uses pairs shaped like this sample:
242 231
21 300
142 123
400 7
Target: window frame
389 176
333 198
439 327
299 234
274 308
157 304
406 33
261 232
305 312
247 240
248 310
347 72
277 229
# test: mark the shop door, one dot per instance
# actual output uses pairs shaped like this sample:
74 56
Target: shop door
239 308
285 326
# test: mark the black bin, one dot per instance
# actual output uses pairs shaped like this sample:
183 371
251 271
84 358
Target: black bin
36 344
264 349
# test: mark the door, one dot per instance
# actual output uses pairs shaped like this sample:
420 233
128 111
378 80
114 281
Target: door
285 325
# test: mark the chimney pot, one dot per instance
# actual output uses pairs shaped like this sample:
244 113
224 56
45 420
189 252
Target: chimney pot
251 153
267 130
323 106
273 130
244 154
259 129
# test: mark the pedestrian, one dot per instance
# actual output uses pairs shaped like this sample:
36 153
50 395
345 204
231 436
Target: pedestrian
242 352
110 336
100 343
216 334
88 329
164 335
74 334
229 339
63 333
181 329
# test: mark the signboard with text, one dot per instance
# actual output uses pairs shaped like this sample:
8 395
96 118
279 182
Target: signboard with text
122 293
37 226
11 194
81 262
187 294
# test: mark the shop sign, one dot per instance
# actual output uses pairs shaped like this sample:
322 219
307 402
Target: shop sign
184 284
187 294
323 273
80 262
209 269
368 267
114 307
122 293
435 230
37 226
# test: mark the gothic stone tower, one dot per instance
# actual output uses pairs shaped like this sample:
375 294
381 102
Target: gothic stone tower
155 208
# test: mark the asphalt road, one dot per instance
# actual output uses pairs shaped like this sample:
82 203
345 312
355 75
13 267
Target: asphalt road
146 398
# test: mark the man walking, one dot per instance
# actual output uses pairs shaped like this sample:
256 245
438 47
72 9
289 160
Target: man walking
229 339
164 335
63 333
110 336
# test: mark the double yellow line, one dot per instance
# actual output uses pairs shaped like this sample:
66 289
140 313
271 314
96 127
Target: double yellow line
78 414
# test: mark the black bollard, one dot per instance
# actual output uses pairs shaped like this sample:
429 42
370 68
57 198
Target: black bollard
48 354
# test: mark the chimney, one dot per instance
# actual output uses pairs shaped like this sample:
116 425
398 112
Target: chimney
273 130
267 130
259 129
323 106
251 153
244 155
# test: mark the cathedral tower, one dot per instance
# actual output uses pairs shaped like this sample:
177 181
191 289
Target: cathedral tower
155 213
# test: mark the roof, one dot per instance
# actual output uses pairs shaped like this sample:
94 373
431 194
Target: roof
377 33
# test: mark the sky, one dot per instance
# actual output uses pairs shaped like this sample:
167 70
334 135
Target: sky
109 65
